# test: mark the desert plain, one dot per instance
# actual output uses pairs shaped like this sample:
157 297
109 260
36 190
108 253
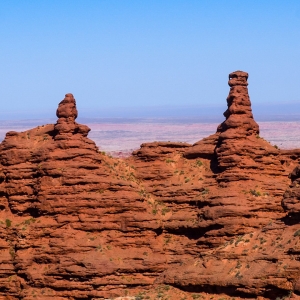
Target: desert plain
121 136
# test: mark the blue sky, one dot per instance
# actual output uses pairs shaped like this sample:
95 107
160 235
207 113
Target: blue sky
123 56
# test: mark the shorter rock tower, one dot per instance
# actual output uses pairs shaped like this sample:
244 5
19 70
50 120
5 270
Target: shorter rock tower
66 126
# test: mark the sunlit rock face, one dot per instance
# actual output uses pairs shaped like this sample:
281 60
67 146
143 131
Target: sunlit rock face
66 127
78 224
240 151
239 121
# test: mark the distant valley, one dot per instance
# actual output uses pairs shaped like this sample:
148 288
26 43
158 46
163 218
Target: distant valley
120 136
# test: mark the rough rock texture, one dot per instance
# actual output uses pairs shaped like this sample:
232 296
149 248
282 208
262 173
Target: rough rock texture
220 217
66 126
240 151
244 166
291 199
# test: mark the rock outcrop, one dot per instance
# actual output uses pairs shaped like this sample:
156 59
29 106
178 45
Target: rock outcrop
217 217
240 152
70 214
244 166
66 127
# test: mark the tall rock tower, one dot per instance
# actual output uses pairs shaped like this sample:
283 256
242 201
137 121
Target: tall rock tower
239 121
241 153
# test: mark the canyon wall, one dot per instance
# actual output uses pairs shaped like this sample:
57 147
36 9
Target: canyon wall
220 216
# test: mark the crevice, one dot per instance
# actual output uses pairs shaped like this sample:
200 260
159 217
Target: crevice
158 231
214 164
193 233
214 289
270 291
33 212
291 219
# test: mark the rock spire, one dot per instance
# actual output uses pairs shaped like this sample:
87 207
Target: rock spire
66 126
239 118
240 152
67 108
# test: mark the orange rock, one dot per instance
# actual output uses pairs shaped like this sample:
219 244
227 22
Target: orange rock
173 219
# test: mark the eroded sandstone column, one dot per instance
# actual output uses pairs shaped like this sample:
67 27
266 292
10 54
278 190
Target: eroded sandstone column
239 121
67 113
240 152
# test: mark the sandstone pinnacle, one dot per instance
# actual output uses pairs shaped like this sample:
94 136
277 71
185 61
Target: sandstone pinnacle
67 108
66 127
239 118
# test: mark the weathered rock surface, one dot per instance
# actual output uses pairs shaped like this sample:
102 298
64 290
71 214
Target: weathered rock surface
291 199
217 217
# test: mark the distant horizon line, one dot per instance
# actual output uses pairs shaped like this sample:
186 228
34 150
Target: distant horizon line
282 110
188 120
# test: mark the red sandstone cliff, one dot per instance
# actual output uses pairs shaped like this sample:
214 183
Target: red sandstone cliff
219 216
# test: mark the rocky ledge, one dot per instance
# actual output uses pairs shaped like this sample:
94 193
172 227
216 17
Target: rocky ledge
217 218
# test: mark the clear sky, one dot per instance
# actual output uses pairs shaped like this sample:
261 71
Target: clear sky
117 56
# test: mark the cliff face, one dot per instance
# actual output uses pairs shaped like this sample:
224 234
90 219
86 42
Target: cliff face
219 216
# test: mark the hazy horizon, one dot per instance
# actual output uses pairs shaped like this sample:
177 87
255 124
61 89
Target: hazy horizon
123 135
287 111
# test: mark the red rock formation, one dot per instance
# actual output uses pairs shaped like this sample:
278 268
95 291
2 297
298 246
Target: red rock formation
239 121
203 218
66 126
244 167
240 150
72 213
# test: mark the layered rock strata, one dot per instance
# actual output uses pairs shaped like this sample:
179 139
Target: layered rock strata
240 151
244 167
70 214
291 199
203 218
